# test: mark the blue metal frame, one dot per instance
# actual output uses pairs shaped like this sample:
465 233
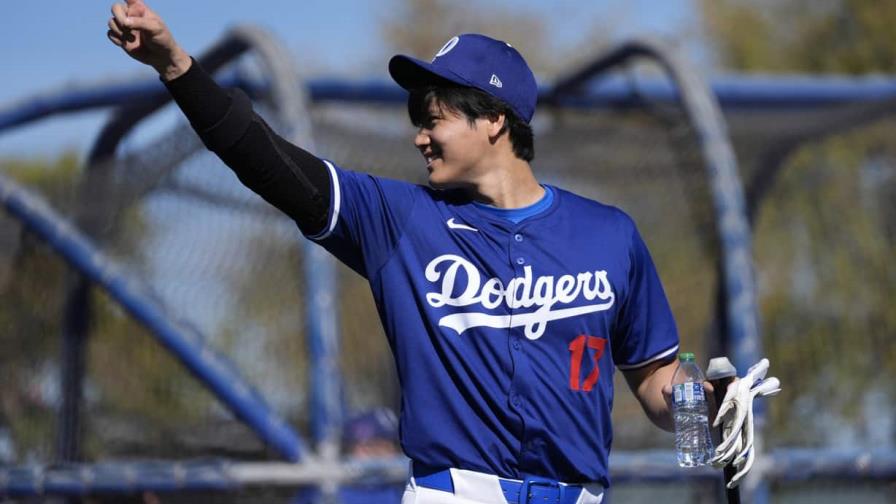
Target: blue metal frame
109 478
323 343
177 336
732 93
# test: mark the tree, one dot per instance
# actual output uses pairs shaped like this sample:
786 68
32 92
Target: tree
30 310
824 238
422 26
832 36
135 393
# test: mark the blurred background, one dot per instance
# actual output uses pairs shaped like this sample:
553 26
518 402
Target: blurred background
806 89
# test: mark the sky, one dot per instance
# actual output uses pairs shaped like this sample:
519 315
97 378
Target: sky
45 46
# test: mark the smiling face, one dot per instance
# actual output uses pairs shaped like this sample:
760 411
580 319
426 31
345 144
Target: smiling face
455 148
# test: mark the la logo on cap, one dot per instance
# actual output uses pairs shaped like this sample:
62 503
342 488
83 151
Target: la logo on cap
447 47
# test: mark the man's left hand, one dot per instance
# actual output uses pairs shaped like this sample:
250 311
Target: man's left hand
736 416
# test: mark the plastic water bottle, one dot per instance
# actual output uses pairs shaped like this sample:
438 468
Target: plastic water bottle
693 444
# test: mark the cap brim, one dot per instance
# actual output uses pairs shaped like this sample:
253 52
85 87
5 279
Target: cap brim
411 73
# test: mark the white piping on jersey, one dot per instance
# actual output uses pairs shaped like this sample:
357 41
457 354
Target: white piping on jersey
334 178
648 361
455 225
520 292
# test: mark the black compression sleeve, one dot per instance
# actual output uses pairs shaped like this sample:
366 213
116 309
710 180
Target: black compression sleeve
200 98
285 175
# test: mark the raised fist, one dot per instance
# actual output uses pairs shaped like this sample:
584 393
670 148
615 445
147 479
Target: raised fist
144 36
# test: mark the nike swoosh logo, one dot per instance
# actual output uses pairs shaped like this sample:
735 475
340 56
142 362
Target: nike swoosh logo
454 225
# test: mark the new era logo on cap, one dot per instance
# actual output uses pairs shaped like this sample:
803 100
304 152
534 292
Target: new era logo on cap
475 61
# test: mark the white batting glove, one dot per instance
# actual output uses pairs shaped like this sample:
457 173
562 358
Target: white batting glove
736 416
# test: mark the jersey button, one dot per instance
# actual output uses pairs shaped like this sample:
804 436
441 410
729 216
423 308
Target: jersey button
518 237
515 399
516 344
520 261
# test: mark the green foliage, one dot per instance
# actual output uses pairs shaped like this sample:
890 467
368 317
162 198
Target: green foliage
265 332
827 281
824 237
140 397
128 377
55 180
269 319
422 26
831 36
31 307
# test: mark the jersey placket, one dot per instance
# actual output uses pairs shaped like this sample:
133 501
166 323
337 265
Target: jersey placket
519 254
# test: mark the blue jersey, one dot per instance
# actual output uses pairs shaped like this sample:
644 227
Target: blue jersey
505 335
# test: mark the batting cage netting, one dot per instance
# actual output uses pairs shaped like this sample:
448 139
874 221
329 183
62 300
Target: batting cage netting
240 374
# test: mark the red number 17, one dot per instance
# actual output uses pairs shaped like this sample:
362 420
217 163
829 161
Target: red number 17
577 347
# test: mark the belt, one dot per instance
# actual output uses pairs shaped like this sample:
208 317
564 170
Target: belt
529 490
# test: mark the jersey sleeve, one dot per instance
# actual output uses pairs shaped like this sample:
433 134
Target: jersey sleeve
366 218
646 330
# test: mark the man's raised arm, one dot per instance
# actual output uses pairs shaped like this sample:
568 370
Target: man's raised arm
288 177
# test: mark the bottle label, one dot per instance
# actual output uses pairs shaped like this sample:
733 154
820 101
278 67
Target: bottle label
687 392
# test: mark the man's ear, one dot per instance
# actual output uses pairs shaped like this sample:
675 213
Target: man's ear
496 125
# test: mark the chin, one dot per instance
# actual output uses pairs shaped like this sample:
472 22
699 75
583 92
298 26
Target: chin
436 184
435 181
442 178
440 183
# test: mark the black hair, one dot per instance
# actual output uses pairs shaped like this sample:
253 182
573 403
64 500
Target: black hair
473 104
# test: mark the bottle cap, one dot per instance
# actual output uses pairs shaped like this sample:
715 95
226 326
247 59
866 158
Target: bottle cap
686 356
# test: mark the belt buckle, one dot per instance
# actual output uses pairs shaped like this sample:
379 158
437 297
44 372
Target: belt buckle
529 483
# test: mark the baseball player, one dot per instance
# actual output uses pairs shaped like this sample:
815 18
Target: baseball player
508 304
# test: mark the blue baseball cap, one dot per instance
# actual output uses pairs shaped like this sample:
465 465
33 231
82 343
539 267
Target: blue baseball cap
475 61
